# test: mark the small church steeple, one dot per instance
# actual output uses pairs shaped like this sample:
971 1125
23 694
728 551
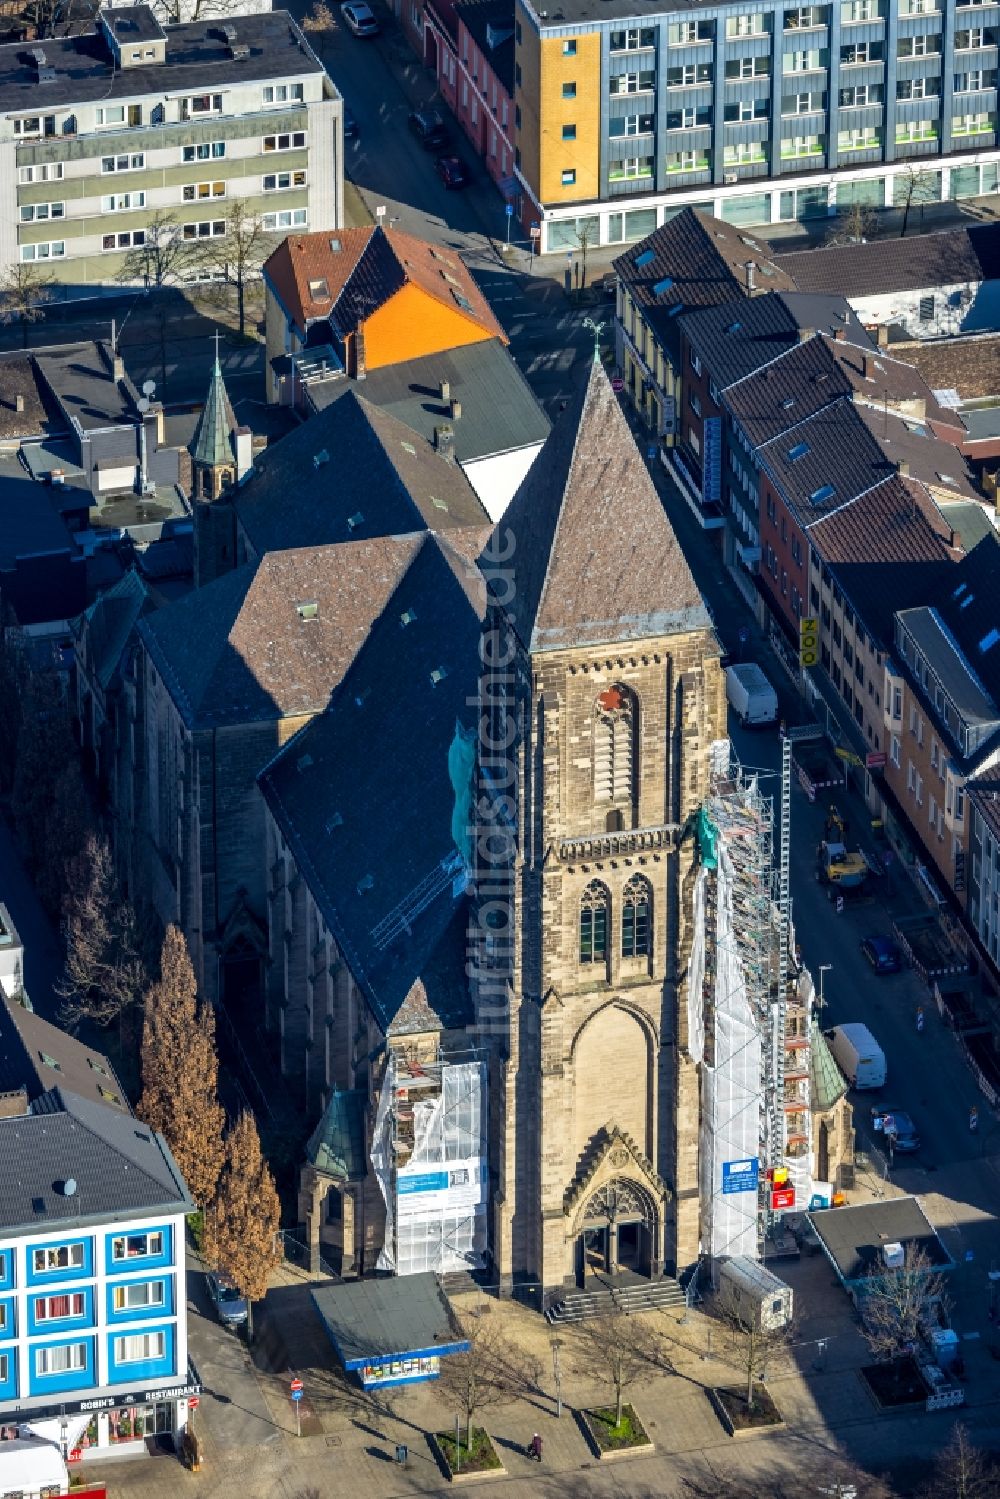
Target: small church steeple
221 457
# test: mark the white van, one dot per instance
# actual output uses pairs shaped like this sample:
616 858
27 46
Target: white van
858 1055
750 695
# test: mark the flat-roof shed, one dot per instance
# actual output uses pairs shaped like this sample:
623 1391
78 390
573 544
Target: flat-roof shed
855 1238
390 1331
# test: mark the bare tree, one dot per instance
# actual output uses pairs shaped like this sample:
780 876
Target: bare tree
914 182
104 973
586 238
834 1478
752 1343
963 1471
25 289
622 1348
492 1372
236 257
163 256
897 1304
855 226
55 17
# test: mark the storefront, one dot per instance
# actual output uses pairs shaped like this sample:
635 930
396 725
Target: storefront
390 1331
131 1421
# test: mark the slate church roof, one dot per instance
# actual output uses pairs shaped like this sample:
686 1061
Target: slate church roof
595 559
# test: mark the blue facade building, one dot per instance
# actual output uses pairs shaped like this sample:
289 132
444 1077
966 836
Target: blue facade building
93 1325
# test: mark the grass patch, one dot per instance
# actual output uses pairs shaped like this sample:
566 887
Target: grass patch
899 1382
611 1437
763 1412
196 1228
481 1457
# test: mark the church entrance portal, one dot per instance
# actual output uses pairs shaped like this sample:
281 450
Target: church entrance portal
618 1231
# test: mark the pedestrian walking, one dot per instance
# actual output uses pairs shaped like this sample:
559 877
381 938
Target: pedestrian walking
920 1019
535 1448
973 1119
840 905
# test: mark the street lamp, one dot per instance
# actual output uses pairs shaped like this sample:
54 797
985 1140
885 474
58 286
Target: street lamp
824 969
557 1374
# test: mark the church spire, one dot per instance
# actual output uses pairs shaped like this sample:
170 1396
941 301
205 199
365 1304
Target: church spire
214 443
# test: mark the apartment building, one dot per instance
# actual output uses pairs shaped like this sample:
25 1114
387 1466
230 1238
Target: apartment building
983 797
93 1304
759 113
101 133
942 708
472 51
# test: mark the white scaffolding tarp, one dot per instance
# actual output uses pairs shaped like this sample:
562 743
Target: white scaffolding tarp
696 973
732 1092
436 1201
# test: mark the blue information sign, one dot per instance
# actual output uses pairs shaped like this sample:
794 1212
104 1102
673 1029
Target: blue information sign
509 209
740 1176
296 1394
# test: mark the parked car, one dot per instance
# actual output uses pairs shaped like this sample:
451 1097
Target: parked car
350 125
229 1304
882 953
359 18
897 1127
452 171
430 129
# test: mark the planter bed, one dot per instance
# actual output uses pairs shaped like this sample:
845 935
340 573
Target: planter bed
606 1440
732 1410
897 1383
482 1462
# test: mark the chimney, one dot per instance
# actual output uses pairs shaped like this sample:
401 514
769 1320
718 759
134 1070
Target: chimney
117 367
244 453
360 372
751 271
840 334
955 540
56 476
868 367
456 409
903 469
805 334
445 391
882 335
18 403
444 442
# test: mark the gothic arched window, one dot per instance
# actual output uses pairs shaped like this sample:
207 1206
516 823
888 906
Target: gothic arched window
636 913
594 907
614 746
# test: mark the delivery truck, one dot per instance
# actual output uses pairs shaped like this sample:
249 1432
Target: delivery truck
858 1055
750 695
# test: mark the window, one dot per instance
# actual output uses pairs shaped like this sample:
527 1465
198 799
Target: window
569 177
856 53
744 153
745 26
801 145
140 1347
58 1308
569 48
569 132
857 140
748 67
594 905
922 45
205 151
691 75
138 1294
858 10
977 124
60 1359
136 1246
805 60
636 125
287 218
134 161
46 171
33 213
630 168
206 229
926 310
614 745
119 202
917 88
632 83
959 803
965 41
974 80
291 140
687 161
632 38
282 182
129 239
195 191
805 16
688 33
207 104
894 751
694 402
860 94
746 109
107 115
52 249
569 90
636 902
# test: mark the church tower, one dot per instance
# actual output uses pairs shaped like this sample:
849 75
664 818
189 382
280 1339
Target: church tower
221 458
601 692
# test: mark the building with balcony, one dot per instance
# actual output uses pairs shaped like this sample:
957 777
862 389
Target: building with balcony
102 134
760 113
93 1318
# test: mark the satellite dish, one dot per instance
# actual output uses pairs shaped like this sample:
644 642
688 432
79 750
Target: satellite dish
69 1187
148 387
143 403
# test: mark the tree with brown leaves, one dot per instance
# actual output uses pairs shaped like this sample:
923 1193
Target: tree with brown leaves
180 1071
241 1226
492 1372
105 974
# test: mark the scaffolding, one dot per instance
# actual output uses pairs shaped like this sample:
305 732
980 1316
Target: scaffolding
750 1021
429 1156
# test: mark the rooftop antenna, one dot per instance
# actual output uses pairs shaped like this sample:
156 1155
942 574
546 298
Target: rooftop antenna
595 329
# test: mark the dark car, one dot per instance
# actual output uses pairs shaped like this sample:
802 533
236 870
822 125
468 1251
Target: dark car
430 129
452 171
882 953
897 1129
350 125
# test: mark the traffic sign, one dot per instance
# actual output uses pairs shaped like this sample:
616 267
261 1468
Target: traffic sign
535 231
296 1384
509 210
876 760
617 384
296 1394
781 1198
808 642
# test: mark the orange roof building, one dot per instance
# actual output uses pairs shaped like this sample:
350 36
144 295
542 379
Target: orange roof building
373 297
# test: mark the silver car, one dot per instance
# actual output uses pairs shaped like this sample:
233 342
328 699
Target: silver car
229 1304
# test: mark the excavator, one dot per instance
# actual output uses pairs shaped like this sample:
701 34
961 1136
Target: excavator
836 865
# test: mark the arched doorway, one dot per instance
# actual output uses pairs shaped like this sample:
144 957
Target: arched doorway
823 1174
618 1232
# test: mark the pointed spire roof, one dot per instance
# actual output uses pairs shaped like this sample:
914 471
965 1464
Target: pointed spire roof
595 560
212 445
